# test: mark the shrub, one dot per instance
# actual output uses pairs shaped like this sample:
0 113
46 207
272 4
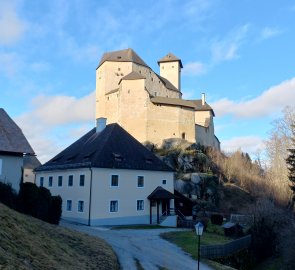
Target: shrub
55 209
217 219
7 195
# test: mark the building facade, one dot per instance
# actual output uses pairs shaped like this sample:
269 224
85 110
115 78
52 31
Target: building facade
106 178
150 106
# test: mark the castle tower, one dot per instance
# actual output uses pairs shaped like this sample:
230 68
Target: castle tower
170 69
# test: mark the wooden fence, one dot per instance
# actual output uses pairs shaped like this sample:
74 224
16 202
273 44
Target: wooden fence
217 251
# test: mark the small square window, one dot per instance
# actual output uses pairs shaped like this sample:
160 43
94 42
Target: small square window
59 183
115 180
41 181
50 180
164 182
114 206
71 179
69 205
82 180
140 181
80 206
140 205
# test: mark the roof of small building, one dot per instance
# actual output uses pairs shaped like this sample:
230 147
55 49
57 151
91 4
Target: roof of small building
127 55
133 75
173 101
113 147
167 83
161 193
170 57
31 162
200 107
12 138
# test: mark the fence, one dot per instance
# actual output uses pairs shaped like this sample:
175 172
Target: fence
217 251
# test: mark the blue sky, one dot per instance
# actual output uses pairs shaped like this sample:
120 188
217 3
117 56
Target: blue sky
240 53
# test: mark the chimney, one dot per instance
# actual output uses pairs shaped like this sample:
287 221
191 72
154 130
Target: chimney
100 124
203 99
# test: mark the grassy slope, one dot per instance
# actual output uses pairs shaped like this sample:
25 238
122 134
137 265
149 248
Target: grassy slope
28 243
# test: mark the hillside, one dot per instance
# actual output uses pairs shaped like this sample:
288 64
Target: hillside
28 243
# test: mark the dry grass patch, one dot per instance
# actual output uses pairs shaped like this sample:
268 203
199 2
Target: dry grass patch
28 243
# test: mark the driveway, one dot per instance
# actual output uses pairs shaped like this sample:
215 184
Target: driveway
144 245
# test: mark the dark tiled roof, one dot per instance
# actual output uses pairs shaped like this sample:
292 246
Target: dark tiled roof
11 137
170 57
132 76
127 55
31 162
160 193
200 107
167 83
112 148
173 101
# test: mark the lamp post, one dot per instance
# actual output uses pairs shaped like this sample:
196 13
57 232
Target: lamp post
199 231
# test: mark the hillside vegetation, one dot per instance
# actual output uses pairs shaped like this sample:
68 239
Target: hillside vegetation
28 243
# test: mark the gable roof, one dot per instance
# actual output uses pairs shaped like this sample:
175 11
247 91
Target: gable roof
132 76
11 137
112 148
170 57
160 193
167 83
200 107
31 162
127 55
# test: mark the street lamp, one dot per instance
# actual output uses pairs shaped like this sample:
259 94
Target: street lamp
199 231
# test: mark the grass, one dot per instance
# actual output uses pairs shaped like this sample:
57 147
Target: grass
270 264
188 240
28 243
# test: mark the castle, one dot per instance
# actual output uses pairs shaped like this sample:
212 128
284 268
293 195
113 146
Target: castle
150 106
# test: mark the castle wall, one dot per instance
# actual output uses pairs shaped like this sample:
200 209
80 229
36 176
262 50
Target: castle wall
169 122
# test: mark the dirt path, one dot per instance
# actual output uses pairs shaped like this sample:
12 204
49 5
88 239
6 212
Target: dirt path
145 245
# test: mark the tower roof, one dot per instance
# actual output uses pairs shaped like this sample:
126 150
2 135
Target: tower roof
127 55
170 57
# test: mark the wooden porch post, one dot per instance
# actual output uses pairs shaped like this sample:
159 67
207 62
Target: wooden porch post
151 221
158 216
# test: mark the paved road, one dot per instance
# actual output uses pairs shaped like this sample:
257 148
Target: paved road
144 245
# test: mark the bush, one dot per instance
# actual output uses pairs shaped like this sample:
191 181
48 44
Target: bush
217 219
7 195
38 202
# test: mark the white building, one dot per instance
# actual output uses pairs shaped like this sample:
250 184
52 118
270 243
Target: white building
108 178
13 147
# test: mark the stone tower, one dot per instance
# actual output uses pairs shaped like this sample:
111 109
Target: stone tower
170 69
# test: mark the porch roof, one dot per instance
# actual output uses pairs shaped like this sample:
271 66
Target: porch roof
161 193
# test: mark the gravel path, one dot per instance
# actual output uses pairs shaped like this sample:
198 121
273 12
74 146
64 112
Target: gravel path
145 245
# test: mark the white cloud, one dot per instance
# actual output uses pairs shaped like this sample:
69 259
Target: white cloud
40 66
9 64
227 48
12 27
249 144
194 69
270 101
269 32
56 121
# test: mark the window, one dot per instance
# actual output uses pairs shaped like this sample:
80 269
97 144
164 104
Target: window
114 206
183 135
155 94
70 181
0 166
82 180
80 206
50 180
140 181
164 182
140 205
41 181
69 205
115 180
59 183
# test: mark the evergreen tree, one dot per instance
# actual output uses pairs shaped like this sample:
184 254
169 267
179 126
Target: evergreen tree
291 166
